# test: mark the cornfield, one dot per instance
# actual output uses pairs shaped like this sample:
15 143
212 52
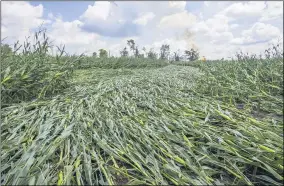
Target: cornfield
77 120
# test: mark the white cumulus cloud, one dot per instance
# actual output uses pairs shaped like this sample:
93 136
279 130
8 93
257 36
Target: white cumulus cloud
216 29
274 11
100 10
177 4
144 18
259 32
19 19
179 20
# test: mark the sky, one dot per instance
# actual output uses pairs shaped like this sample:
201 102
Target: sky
217 29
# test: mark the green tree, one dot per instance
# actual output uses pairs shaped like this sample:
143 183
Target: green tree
191 54
164 51
177 56
131 44
144 49
6 49
136 54
103 53
94 54
124 52
152 54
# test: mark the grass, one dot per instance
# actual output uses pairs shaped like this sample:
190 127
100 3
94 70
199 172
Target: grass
122 122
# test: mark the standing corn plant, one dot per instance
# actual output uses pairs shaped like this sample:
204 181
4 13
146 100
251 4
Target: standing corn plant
33 73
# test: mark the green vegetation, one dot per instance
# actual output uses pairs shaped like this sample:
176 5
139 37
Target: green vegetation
103 53
85 120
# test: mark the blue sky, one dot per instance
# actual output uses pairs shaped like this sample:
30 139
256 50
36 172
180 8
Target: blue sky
68 10
72 10
217 28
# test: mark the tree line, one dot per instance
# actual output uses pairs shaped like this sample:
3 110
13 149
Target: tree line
164 53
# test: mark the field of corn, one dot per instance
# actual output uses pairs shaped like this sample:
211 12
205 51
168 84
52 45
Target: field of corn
114 121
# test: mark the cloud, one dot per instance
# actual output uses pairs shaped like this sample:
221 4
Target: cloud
244 9
99 11
233 26
210 8
144 18
258 33
107 19
179 20
207 3
216 29
210 50
118 29
263 10
219 23
19 19
50 15
258 48
220 38
75 39
78 40
103 17
273 11
177 4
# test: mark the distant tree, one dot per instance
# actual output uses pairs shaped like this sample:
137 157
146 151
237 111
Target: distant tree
152 54
191 54
145 52
103 53
136 54
124 52
131 44
164 51
6 49
144 49
94 54
177 56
